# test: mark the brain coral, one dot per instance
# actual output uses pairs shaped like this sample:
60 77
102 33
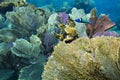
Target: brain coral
85 59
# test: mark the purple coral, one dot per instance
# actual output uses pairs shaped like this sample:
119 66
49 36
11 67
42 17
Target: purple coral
49 42
63 17
107 33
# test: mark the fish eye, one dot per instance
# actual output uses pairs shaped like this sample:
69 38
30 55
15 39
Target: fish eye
80 19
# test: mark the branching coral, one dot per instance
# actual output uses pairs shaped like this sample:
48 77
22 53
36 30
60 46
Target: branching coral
85 59
68 32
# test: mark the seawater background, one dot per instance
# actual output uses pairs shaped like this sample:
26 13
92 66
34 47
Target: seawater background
109 7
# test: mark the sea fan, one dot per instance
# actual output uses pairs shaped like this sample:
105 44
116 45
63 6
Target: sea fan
106 33
98 24
49 42
63 17
85 59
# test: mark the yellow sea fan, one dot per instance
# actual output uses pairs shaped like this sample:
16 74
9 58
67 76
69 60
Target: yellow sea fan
84 59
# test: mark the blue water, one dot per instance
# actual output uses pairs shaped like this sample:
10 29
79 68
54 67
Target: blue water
109 7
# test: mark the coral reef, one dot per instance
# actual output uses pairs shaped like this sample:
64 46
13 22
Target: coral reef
12 0
68 32
22 19
6 74
19 18
32 55
49 41
2 20
106 33
6 6
22 57
63 17
80 27
29 49
33 71
4 49
9 63
6 35
85 59
98 24
53 19
27 73
28 37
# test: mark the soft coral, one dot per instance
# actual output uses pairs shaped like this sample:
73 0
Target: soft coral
98 24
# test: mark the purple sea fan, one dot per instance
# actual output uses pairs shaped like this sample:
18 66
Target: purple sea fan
63 17
106 33
49 42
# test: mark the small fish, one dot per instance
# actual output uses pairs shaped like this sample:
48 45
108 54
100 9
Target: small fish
80 20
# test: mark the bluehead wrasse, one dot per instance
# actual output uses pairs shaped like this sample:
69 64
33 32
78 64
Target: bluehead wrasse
80 20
